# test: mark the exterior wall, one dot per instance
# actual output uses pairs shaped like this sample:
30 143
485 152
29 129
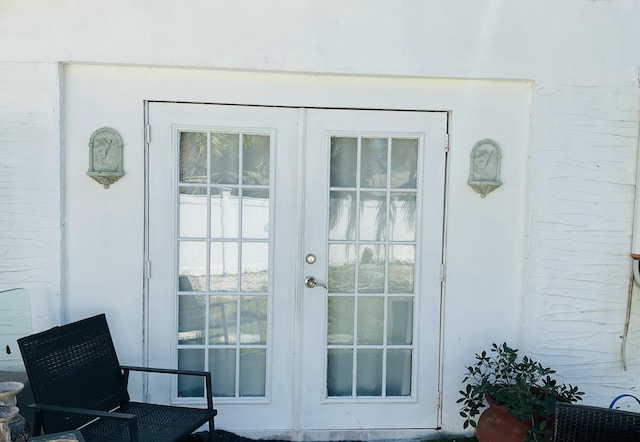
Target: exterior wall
563 227
30 201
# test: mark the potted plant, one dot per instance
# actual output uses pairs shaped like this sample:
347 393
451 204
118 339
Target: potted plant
519 387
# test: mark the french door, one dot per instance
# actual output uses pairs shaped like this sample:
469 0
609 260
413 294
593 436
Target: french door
296 254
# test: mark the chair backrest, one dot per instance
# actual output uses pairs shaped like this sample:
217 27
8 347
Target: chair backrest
74 365
583 423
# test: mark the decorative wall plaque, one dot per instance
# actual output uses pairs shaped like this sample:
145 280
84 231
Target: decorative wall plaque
105 156
484 169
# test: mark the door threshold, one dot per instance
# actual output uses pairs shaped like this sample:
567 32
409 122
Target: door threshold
383 435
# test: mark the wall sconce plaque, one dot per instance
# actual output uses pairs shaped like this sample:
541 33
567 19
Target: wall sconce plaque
105 156
484 170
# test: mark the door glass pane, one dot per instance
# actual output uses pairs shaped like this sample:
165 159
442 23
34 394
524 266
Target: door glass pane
372 263
223 271
342 267
190 386
255 213
372 255
399 372
223 320
222 362
339 372
192 265
255 159
253 366
404 163
401 268
193 157
225 212
369 373
343 161
402 216
370 320
193 212
191 319
400 321
373 216
253 319
342 215
225 159
373 169
340 319
255 262
223 255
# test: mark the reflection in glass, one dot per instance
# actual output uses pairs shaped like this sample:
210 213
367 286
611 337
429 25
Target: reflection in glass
255 264
342 268
223 317
340 320
253 319
400 321
404 163
373 216
192 264
223 272
371 274
399 372
225 213
222 362
190 386
253 368
344 154
403 216
342 215
193 157
339 372
225 149
255 159
370 320
191 319
401 268
369 373
373 168
193 212
255 214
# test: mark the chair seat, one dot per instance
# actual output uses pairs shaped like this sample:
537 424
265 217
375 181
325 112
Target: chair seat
156 423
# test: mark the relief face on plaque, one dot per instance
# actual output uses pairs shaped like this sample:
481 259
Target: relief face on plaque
484 168
105 156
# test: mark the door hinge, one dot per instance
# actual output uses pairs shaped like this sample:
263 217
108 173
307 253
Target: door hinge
442 273
438 400
446 142
147 269
147 133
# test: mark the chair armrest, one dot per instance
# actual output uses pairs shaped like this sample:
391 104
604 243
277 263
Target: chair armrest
86 411
131 419
207 377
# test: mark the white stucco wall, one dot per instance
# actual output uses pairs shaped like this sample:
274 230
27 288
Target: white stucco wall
566 209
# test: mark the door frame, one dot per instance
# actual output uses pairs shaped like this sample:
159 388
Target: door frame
299 244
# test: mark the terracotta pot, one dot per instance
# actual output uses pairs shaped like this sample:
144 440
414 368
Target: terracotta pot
497 425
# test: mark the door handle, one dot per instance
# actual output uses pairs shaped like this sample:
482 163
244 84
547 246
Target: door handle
311 282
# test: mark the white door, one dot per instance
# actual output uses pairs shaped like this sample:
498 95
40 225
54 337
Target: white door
245 203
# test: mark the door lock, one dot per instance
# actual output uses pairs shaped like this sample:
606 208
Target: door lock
311 282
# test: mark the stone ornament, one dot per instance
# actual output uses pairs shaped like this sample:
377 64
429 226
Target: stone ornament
484 168
105 156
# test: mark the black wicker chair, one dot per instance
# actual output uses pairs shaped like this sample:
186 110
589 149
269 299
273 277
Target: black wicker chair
583 423
78 383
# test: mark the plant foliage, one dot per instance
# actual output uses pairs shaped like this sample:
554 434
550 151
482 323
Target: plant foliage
520 384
